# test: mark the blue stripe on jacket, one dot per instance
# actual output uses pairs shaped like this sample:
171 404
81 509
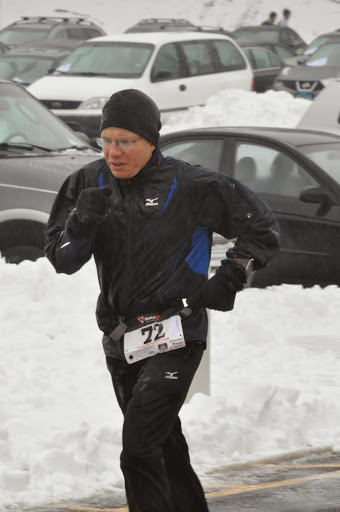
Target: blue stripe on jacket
171 191
100 180
199 256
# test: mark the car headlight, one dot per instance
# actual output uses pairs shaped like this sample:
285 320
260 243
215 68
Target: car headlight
97 102
285 70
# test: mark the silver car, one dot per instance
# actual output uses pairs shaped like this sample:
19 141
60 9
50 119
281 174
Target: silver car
37 152
308 79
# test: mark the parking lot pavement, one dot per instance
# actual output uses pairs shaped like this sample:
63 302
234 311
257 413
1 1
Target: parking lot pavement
309 484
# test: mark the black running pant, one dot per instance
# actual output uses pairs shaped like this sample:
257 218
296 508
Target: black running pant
155 458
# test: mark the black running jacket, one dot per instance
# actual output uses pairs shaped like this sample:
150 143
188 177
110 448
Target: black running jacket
155 247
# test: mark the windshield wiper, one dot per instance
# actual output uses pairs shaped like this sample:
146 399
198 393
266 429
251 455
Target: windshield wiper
89 73
78 146
23 145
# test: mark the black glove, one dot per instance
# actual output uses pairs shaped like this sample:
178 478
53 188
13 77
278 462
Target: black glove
220 290
92 208
93 205
233 275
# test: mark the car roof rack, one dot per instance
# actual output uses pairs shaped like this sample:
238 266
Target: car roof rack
41 19
165 22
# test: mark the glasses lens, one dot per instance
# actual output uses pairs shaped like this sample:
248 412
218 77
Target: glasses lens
99 142
124 143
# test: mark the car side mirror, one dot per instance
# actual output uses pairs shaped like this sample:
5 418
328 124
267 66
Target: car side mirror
317 195
314 195
162 75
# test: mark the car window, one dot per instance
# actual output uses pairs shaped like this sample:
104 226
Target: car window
283 52
73 33
61 33
112 59
229 57
293 36
24 119
326 156
284 38
198 57
167 64
264 59
205 152
264 36
16 37
88 33
269 171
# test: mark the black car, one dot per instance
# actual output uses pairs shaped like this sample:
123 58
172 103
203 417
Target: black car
40 28
25 64
265 64
297 173
270 34
37 152
308 79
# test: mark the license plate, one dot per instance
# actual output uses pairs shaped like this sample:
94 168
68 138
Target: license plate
153 339
307 95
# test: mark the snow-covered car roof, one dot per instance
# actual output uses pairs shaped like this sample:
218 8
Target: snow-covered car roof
157 37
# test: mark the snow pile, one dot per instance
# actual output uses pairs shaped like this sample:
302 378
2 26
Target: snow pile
275 361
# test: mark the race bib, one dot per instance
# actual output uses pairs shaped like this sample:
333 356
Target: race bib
153 339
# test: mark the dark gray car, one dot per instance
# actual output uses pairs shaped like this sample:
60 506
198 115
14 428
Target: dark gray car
42 28
308 79
270 34
37 152
297 173
25 64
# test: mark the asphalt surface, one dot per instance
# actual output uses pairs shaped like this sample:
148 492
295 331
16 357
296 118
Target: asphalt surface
306 484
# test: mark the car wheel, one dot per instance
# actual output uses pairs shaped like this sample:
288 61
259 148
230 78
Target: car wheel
21 240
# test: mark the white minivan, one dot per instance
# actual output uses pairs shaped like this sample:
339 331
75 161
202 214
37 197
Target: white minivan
177 69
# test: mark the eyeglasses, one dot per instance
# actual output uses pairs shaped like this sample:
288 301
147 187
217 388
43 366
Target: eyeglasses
124 144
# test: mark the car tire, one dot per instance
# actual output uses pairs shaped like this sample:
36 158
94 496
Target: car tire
21 240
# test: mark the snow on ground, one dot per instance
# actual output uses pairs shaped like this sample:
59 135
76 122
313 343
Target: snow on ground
275 362
275 359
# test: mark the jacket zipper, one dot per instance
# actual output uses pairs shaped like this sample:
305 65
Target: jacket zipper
125 297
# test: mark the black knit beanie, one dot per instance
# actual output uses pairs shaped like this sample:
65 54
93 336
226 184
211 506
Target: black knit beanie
133 110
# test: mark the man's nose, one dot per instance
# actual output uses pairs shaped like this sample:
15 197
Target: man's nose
114 148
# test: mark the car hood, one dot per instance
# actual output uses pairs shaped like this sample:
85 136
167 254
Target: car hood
309 73
45 172
79 88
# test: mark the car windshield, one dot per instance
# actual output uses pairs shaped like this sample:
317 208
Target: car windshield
257 36
326 55
326 156
24 70
19 35
23 120
114 59
314 45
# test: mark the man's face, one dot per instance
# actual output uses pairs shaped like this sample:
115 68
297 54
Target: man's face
125 160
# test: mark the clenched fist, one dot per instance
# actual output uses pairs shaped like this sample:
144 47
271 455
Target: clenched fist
93 205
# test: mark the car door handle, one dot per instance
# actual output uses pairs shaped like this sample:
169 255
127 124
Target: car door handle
182 87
